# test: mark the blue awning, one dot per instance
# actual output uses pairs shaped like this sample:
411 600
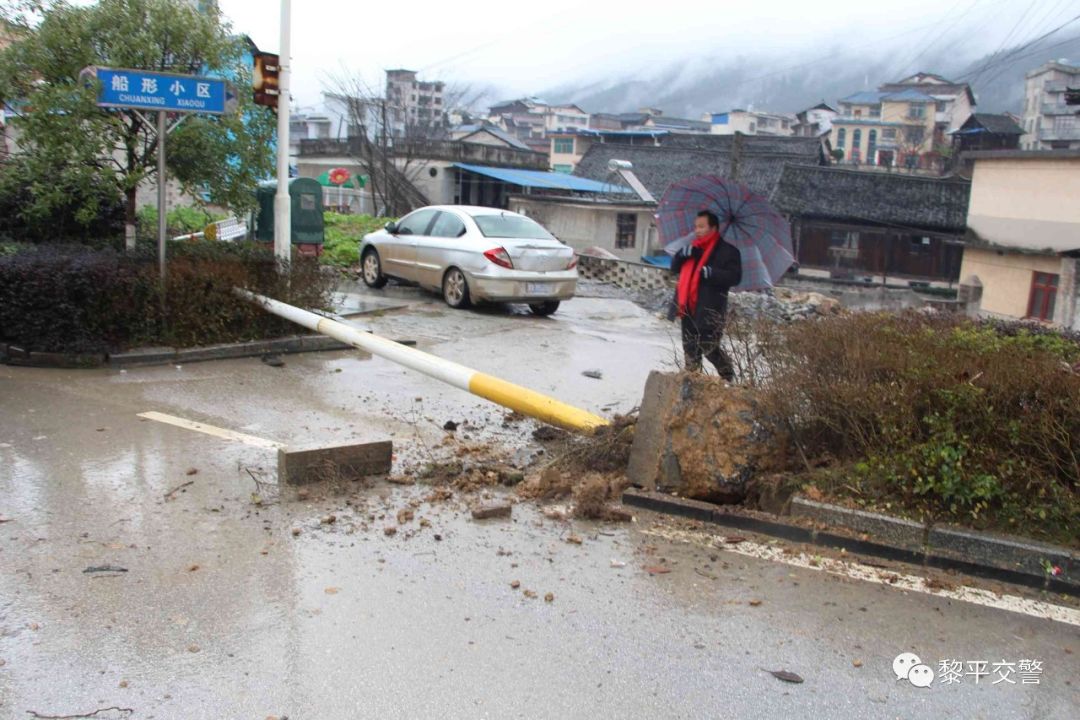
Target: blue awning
542 179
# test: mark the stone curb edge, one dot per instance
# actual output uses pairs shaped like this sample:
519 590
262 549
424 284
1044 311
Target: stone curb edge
968 555
145 357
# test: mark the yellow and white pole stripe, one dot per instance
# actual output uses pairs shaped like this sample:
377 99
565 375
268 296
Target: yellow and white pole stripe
515 397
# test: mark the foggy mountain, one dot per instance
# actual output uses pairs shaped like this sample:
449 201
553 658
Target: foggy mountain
688 88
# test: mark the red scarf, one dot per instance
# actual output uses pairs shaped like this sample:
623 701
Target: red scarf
690 274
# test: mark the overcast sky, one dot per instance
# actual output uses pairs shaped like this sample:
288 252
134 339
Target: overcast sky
523 48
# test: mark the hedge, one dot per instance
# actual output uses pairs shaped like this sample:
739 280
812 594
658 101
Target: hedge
75 299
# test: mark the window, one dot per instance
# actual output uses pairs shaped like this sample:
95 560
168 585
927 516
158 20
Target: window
858 113
871 148
565 169
842 239
916 111
888 134
564 146
753 128
915 135
417 223
1043 296
856 145
941 106
625 230
511 226
875 112
920 246
841 137
448 225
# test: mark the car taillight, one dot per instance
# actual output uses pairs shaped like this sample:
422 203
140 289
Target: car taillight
500 257
573 263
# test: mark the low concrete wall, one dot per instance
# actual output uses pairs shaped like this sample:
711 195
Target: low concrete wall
629 275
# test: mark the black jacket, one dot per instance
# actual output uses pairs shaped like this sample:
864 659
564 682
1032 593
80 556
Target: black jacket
725 265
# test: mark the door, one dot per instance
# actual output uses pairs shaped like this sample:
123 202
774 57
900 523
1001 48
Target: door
434 251
400 258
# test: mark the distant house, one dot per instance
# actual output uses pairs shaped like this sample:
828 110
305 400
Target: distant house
567 147
1050 122
486 134
987 132
750 122
815 121
902 124
530 118
1023 239
855 223
647 119
415 103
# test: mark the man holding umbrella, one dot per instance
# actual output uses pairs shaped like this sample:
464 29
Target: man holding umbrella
721 236
708 267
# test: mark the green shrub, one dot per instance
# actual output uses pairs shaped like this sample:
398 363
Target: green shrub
343 236
72 299
965 421
181 220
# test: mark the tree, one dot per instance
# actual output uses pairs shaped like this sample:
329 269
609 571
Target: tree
390 147
910 145
66 141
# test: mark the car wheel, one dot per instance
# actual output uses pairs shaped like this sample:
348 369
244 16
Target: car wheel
455 289
545 308
371 269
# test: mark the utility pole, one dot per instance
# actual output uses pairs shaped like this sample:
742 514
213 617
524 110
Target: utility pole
282 201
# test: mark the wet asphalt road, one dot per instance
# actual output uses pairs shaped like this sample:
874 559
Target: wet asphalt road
224 612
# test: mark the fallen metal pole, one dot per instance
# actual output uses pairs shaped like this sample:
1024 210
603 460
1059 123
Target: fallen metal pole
515 397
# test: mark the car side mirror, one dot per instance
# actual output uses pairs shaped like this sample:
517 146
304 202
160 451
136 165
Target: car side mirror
391 227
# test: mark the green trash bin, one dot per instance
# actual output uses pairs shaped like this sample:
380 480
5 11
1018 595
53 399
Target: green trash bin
306 196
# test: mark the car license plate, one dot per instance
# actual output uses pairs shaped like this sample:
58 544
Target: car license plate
537 288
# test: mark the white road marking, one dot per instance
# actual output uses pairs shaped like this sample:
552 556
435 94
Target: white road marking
217 432
858 571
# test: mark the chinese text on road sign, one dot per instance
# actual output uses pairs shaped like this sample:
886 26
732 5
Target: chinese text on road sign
161 91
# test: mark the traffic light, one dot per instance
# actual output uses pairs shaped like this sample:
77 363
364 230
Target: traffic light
264 79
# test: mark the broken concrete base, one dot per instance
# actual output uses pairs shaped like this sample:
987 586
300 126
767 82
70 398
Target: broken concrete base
302 466
697 436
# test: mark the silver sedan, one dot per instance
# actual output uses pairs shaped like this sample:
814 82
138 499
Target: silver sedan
473 254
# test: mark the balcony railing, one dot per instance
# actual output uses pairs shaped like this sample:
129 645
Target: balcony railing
1060 134
1056 109
448 150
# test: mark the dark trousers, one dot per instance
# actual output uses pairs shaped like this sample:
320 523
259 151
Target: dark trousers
702 338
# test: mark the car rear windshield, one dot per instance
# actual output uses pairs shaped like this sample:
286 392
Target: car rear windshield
511 226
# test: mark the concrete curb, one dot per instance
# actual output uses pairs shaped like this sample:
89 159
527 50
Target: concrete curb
13 355
984 555
145 357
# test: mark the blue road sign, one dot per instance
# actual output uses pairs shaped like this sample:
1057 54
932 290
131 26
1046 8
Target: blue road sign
162 91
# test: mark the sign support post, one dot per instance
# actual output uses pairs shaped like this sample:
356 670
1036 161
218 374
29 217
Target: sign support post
162 198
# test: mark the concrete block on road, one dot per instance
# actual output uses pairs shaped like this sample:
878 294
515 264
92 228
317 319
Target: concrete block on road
492 510
302 466
898 532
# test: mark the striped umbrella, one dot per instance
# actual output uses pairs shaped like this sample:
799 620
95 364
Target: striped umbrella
747 221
